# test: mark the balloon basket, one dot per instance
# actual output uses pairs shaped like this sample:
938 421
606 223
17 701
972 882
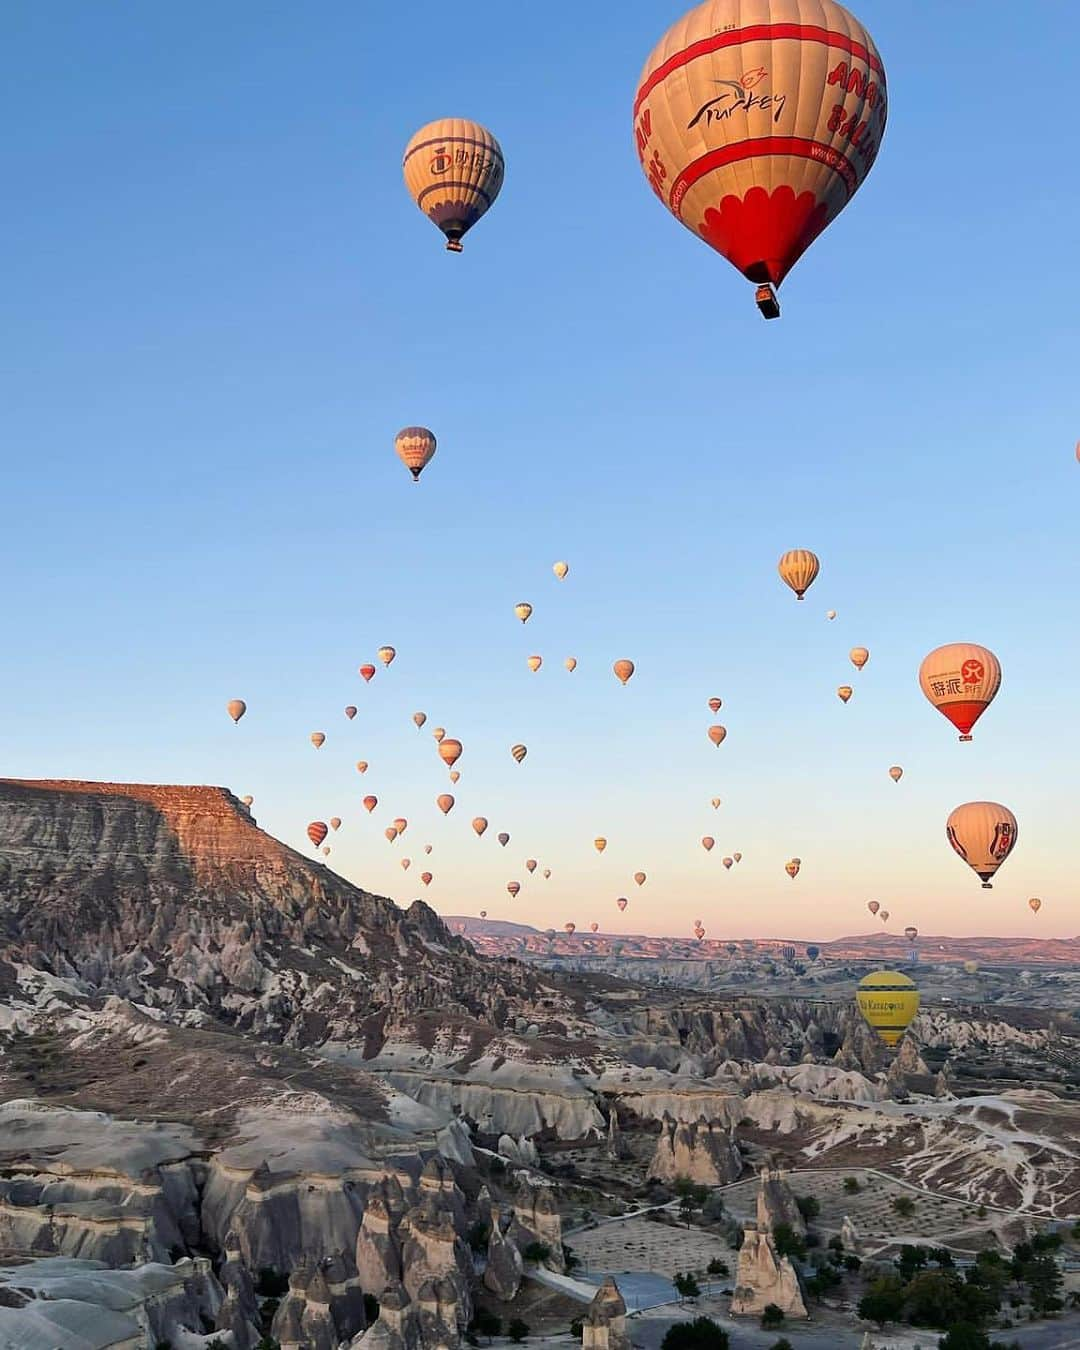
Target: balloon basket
454 246
967 738
766 301
987 886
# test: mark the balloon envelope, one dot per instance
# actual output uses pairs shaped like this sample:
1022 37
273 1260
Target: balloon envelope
454 171
513 887
335 822
350 711
798 568
560 569
716 734
318 739
792 869
888 1000
1034 904
236 708
983 834
844 692
370 803
599 845
317 832
386 655
896 773
873 906
622 902
535 662
961 680
623 670
640 878
707 843
519 752
859 657
449 751
530 865
361 766
419 718
523 611
571 663
715 704
367 672
479 825
503 838
415 448
445 803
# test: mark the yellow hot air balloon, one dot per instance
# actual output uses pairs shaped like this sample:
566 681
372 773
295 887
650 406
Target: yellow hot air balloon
599 845
798 568
707 842
640 878
419 718
513 887
888 1000
792 868
335 822
844 692
236 708
961 680
450 751
560 569
519 752
756 121
571 663
453 170
445 803
318 739
716 800
859 657
248 802
438 733
479 825
1034 904
623 670
717 734
386 655
530 865
523 611
896 773
983 834
971 967
361 766
535 662
415 448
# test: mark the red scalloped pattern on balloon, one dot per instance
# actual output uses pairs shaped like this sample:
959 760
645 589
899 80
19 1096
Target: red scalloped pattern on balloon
764 234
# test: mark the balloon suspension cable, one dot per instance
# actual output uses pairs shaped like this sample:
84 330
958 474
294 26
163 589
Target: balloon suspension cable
766 301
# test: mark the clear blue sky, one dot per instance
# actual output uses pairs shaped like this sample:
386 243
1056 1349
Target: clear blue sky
220 304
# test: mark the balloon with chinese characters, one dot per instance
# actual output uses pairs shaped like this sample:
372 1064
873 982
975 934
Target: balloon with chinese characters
961 680
453 170
756 122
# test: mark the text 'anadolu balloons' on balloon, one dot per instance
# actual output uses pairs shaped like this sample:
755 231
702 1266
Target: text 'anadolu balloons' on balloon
415 448
961 680
454 171
756 121
983 834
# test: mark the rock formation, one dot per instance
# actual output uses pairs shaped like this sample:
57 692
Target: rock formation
604 1325
616 1146
849 1235
536 1221
502 1275
776 1203
521 1150
763 1277
704 1153
378 1251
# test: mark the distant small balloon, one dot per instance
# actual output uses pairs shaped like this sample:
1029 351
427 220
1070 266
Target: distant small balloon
449 751
911 933
419 718
737 857
386 655
400 824
427 848
530 865
523 611
622 902
546 874
361 766
594 927
715 704
830 614
390 833
884 916
455 775
716 803
248 801
640 878
727 863
367 672
350 711
844 692
873 906
405 864
326 850
600 844
560 569
479 825
519 752
571 663
859 657
717 734
483 913
317 832
445 803
623 670
415 447
370 803
798 568
707 843
318 739
335 822
792 869
439 733
425 877
503 838
236 708
896 773
513 887
1034 904
971 967
535 662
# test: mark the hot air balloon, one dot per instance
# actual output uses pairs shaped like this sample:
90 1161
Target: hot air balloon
350 711
707 842
756 124
873 906
391 833
798 568
971 967
571 664
439 733
419 718
859 657
727 863
896 773
405 864
888 1000
594 927
453 170
716 734
318 739
1034 904
386 655
361 766
796 860
560 569
530 865
326 850
983 834
599 845
884 916
622 902
813 953
370 803
368 673
792 869
570 929
911 932
715 704
427 848
483 913
534 663
400 824
519 752
546 873
425 877
844 692
640 878
449 751
513 887
961 681
236 708
623 670
503 838
248 801
830 614
523 611
445 803
335 823
479 825
317 832
415 448
716 801
737 857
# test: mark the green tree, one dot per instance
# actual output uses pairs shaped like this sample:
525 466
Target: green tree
717 1267
911 1260
809 1207
1043 1280
700 1334
788 1242
851 1186
884 1301
904 1205
772 1316
517 1330
686 1285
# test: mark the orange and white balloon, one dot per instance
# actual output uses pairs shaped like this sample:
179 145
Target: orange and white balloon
798 568
961 680
623 670
454 171
415 448
859 657
983 834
